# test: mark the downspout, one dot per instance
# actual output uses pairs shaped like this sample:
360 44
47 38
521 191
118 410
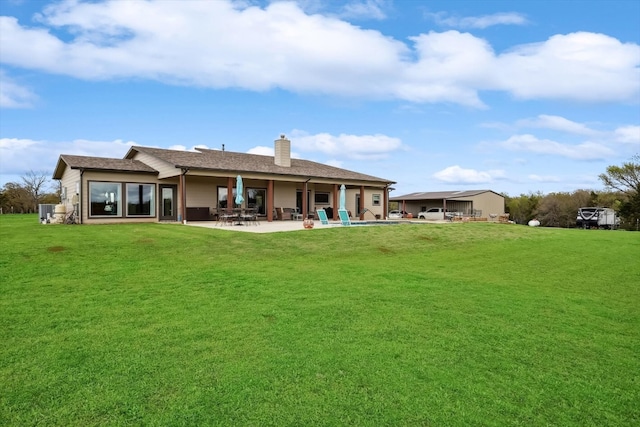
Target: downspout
335 202
79 197
183 195
444 208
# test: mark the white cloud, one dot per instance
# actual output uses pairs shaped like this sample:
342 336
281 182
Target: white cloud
628 135
262 150
480 22
14 95
223 44
360 147
544 178
579 66
532 144
457 175
364 9
557 123
18 156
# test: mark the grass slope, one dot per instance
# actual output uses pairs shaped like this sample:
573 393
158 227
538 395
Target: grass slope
431 325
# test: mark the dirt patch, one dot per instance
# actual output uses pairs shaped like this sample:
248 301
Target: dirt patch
55 248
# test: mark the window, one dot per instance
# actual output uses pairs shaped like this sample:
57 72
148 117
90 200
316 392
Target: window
256 198
322 198
105 199
222 198
376 200
141 200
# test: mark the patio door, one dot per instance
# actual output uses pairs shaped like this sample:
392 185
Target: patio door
168 205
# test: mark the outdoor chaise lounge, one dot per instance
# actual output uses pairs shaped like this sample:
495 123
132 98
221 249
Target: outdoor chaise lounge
344 217
322 215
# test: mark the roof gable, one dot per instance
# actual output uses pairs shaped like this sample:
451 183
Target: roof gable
99 164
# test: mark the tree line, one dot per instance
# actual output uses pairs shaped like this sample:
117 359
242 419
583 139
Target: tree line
24 197
622 193
622 184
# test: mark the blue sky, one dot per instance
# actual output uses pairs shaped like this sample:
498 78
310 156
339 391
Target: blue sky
513 96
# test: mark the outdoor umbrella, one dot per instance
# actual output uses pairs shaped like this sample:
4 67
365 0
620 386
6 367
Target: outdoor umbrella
239 198
343 197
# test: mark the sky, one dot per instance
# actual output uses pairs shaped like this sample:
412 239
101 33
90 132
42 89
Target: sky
511 96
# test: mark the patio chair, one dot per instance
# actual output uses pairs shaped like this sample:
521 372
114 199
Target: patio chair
344 217
322 215
283 214
296 214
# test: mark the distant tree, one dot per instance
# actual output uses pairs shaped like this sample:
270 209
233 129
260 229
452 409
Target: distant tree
560 209
15 198
36 184
522 208
626 179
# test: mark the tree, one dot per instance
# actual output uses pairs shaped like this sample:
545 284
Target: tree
15 198
34 185
560 209
626 179
521 209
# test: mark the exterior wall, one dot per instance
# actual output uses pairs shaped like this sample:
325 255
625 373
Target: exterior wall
165 170
489 203
284 194
70 184
114 177
351 194
203 192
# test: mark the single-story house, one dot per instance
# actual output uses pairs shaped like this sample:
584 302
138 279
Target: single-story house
473 203
153 184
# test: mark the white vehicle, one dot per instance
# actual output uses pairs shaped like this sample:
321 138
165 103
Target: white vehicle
435 214
396 214
597 218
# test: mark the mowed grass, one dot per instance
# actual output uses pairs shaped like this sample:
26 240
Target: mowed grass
410 325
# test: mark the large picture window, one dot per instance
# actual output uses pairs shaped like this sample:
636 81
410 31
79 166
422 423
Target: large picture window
141 200
105 199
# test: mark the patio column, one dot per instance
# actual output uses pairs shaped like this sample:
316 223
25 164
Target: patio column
230 193
385 202
305 208
270 200
183 195
361 207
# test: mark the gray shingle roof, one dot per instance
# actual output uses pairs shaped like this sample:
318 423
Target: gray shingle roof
100 163
217 160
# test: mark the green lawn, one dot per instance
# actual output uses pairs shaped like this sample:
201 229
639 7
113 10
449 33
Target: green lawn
409 325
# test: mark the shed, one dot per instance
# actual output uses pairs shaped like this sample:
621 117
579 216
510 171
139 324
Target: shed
472 203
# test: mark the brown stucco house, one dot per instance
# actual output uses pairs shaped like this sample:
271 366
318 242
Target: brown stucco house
153 184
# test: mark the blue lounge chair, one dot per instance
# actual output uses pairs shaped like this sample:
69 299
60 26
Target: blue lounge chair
344 217
323 217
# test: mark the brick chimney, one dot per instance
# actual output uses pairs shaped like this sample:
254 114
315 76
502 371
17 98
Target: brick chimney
282 155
